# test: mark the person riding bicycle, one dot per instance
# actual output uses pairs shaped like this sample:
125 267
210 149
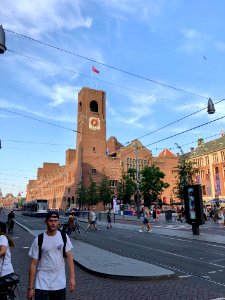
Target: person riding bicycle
67 227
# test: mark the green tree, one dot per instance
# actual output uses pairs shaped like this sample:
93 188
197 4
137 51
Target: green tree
92 194
185 175
104 189
126 186
82 195
151 184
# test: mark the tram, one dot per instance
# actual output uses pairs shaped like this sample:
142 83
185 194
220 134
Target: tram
35 208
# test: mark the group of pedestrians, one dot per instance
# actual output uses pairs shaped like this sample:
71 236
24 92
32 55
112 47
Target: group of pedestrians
47 276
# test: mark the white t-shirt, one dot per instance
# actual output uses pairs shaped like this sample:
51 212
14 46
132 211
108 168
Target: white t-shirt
51 268
93 216
5 264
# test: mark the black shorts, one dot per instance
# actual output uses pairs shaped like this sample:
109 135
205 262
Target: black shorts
145 221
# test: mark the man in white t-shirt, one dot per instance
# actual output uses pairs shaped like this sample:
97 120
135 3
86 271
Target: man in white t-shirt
48 273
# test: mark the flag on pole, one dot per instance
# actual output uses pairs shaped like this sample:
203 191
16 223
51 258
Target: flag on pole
95 70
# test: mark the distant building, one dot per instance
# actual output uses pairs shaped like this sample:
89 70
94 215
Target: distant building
9 200
94 155
209 160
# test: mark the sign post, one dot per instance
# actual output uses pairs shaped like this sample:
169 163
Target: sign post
194 207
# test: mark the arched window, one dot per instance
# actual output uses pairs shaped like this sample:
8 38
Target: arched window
80 106
93 106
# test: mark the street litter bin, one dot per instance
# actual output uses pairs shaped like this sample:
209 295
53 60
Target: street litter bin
168 215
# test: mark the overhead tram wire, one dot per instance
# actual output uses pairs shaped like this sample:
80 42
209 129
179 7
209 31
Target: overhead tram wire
106 65
36 143
177 134
156 130
69 70
38 120
87 76
66 69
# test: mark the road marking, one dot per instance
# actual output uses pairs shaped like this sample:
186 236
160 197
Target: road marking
185 276
218 299
25 247
212 272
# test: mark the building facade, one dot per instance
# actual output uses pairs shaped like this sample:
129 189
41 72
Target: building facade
93 157
209 160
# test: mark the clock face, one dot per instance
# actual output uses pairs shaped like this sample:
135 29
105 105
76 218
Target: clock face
94 123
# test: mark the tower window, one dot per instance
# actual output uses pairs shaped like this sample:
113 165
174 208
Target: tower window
93 171
94 106
80 106
94 150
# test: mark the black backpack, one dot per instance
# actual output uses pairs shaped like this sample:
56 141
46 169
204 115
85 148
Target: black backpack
40 242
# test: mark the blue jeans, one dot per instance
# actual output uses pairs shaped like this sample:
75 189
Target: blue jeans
50 295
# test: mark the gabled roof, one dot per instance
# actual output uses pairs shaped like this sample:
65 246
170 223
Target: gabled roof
208 147
166 152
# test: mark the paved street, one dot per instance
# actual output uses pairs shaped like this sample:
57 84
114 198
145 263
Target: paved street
185 286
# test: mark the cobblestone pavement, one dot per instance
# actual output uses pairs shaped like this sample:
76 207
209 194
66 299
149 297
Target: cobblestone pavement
90 287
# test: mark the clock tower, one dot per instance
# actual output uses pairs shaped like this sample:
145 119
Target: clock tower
91 135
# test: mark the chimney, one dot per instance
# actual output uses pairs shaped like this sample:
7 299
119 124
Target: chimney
200 141
192 149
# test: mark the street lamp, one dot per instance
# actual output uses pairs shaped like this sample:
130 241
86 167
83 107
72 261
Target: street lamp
211 108
2 40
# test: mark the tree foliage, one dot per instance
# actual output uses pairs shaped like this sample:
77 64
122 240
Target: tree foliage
185 175
82 195
152 184
104 189
126 186
92 194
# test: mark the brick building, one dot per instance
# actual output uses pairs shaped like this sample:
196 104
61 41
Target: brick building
94 155
167 162
209 160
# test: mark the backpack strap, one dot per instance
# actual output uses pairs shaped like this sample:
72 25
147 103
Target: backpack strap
63 234
40 242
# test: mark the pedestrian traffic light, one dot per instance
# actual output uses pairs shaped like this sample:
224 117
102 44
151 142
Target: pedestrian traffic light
193 204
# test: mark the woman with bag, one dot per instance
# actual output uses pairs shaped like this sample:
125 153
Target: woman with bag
6 268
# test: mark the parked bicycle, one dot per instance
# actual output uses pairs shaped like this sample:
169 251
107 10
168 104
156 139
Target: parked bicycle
8 287
181 219
76 230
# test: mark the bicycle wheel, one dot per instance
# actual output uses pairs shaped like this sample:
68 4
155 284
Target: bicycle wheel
174 219
80 232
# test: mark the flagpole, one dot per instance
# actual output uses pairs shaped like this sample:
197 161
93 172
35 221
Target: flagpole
91 77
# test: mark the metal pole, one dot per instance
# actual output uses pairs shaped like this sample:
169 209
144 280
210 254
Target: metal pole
137 183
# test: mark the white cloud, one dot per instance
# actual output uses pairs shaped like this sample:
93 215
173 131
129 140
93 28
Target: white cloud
63 94
194 41
37 18
220 46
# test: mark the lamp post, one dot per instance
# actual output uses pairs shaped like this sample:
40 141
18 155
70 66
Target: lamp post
2 40
137 184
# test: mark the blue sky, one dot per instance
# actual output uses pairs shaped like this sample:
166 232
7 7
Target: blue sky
164 41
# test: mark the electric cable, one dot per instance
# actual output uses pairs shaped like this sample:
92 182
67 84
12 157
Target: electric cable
105 65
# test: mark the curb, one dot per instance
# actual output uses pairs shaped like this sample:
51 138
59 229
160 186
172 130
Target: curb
108 275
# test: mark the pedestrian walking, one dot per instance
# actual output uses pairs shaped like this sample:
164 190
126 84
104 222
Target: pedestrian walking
158 211
92 220
11 217
146 222
109 219
221 217
47 277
